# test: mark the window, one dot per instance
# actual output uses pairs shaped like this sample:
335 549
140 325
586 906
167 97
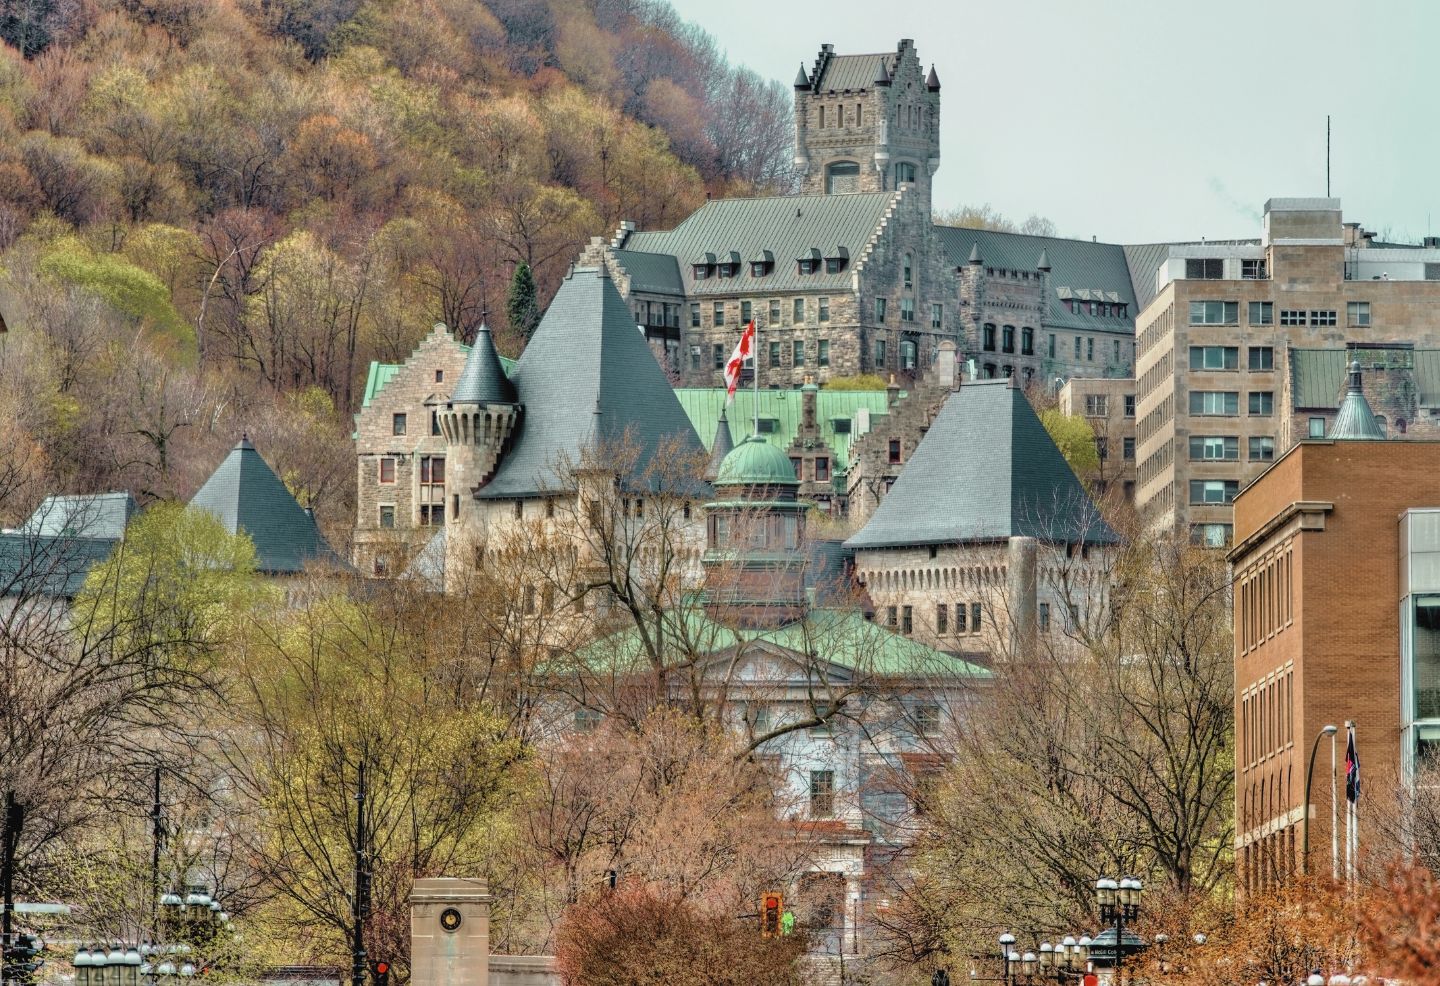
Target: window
879 354
974 617
717 356
904 172
387 469
942 619
1317 427
907 620
1077 347
1129 449
387 515
1262 449
822 470
774 353
1207 269
799 314
1129 405
1214 357
1357 312
907 309
1213 402
1262 358
1051 345
767 426
435 421
700 271
824 315
960 613
937 316
718 313
1214 312
397 424
927 720
988 340
1210 535
1292 316
745 313
822 793
694 314
695 357
909 354
797 354
1097 405
1090 349
1042 616
842 176
1322 316
880 310
1262 402
1213 448
822 352
432 491
892 616
1213 490
841 425
775 311
439 376
834 265
519 509
1262 313
908 266
1027 341
586 720
1007 339
1253 270
894 450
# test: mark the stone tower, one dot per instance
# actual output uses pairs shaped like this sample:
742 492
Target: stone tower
867 123
477 421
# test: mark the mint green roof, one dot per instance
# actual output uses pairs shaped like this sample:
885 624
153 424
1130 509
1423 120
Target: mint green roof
704 404
841 636
382 373
755 462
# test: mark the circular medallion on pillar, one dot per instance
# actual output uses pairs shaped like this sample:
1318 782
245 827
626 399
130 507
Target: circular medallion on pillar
450 919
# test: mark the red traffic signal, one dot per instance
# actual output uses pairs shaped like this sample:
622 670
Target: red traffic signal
772 905
380 972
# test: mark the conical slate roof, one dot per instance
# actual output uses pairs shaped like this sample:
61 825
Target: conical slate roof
985 471
246 495
586 377
882 74
932 81
802 81
975 253
724 443
483 380
1355 421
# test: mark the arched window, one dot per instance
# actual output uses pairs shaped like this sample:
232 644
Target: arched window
909 268
842 177
904 172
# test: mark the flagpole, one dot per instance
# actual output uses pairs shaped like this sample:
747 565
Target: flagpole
1334 818
755 373
1349 805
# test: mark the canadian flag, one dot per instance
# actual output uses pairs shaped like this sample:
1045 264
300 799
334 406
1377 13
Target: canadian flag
744 349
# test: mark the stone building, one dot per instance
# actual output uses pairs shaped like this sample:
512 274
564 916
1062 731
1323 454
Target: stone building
1215 341
1108 404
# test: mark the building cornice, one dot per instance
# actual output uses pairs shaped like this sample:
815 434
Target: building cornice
1302 515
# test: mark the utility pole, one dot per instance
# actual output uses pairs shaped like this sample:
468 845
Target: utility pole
14 821
362 886
157 832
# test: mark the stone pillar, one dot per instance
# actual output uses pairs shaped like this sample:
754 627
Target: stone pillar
1020 568
449 932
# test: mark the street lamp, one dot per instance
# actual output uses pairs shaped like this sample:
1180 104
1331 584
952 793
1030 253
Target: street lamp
1305 841
1314 979
1119 902
1006 952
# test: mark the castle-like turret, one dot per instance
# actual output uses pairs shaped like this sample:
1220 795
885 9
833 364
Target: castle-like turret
477 421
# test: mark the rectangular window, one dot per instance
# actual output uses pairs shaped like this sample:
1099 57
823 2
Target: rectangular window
1130 449
1007 339
824 314
774 353
1262 358
387 516
797 353
745 313
1253 270
961 612
822 352
822 470
1210 535
1214 448
822 793
879 354
894 451
1206 269
1214 402
1042 616
387 469
1262 402
1090 349
1317 427
1357 312
1051 345
718 313
1214 357
695 357
1213 490
1262 313
432 491
907 619
1077 347
717 356
586 720
1027 341
927 720
988 340
942 619
435 420
799 311
1322 316
694 314
974 617
1262 449
879 311
1214 312
1097 405
937 316
907 309
397 424
1292 316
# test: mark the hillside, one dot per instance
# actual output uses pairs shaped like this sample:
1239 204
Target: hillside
215 213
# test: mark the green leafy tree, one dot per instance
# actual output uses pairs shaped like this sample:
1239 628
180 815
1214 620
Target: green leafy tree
521 306
1073 435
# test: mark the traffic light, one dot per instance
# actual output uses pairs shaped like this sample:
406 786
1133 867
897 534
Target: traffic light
940 978
772 905
21 960
380 972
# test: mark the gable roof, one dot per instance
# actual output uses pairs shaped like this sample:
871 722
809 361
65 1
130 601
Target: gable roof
985 471
788 226
1079 265
853 72
246 495
586 376
381 374
653 273
47 564
90 515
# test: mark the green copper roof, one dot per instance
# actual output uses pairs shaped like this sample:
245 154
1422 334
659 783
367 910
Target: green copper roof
1355 421
755 462
780 411
985 471
483 380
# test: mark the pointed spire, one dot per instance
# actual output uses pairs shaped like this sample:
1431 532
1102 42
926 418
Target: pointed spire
802 81
975 255
1044 263
1355 421
483 380
723 446
882 75
932 81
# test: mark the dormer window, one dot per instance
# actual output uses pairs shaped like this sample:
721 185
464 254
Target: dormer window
809 261
704 267
762 264
837 260
729 265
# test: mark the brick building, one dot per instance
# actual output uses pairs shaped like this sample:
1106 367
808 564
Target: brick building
1311 650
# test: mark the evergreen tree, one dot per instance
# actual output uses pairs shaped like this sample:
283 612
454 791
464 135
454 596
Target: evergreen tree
520 306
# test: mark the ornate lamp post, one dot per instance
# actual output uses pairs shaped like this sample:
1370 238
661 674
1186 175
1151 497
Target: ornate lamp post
1119 902
1007 953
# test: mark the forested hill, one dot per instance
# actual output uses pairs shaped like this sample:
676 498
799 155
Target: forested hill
215 213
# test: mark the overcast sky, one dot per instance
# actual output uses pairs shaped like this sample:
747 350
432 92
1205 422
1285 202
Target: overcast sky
1145 120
